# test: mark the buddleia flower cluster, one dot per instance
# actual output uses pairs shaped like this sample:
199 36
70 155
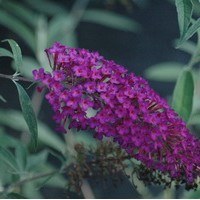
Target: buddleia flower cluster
88 92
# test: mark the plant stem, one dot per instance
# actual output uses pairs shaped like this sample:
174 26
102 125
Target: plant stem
11 77
85 188
195 57
12 187
37 99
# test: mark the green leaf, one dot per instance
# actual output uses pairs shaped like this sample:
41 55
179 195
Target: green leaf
5 53
184 11
7 157
166 71
17 27
57 180
46 6
56 155
56 25
17 54
111 20
36 160
194 119
60 30
15 120
190 32
20 11
182 100
30 191
46 180
15 196
21 156
2 99
28 113
7 140
69 39
29 64
50 138
188 46
41 40
190 194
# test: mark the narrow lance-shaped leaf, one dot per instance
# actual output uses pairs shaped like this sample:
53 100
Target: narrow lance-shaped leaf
14 119
21 156
21 11
194 119
188 46
112 20
17 27
182 100
2 99
41 39
166 71
15 196
17 54
7 157
5 53
46 6
190 32
28 113
36 160
184 11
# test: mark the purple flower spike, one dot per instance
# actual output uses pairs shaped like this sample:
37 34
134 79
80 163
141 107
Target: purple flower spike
123 107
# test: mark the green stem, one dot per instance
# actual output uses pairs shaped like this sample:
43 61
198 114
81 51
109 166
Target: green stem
16 78
196 56
87 190
19 183
85 187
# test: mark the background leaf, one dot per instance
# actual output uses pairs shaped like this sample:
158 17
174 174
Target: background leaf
17 27
7 157
29 191
182 100
15 120
60 28
184 11
28 113
166 71
194 119
188 46
21 157
111 19
7 140
29 64
191 194
20 11
5 52
17 54
46 6
190 32
14 196
33 161
55 180
2 99
41 40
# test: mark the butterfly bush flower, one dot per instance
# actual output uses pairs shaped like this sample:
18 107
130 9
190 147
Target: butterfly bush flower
88 92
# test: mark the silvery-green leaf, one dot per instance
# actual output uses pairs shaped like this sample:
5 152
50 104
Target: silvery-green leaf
28 113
